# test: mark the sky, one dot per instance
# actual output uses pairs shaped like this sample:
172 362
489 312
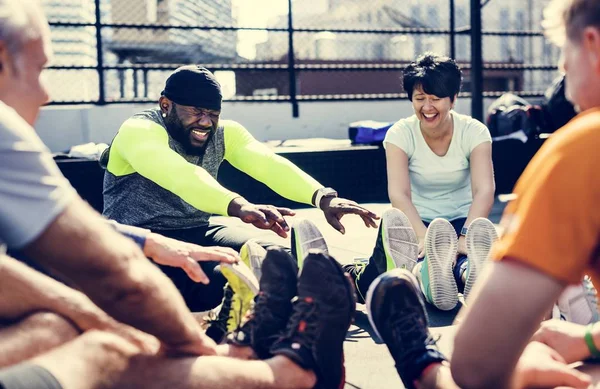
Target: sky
255 13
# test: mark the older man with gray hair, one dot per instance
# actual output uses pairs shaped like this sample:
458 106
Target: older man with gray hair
52 336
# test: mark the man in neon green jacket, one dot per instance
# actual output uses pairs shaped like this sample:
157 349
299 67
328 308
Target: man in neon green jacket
162 175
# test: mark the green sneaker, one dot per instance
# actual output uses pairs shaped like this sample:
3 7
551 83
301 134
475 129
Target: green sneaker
245 286
436 276
253 255
306 236
217 322
480 237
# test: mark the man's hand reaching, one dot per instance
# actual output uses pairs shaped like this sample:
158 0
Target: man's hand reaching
171 252
265 217
334 208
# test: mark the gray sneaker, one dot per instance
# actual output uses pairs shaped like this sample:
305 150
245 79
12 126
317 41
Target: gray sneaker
480 238
436 276
306 236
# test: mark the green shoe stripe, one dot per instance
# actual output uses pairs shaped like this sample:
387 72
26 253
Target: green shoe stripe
389 261
245 255
242 298
425 280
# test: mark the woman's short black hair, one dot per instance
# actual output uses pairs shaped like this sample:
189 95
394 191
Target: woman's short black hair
437 75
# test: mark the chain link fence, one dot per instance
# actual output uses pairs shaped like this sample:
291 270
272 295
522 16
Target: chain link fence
121 51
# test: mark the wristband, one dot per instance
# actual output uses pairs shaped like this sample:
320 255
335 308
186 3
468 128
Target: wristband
589 340
137 234
324 192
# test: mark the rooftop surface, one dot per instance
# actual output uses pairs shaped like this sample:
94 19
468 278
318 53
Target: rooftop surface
368 362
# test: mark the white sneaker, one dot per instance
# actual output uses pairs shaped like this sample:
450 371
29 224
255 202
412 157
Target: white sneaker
480 238
437 279
578 304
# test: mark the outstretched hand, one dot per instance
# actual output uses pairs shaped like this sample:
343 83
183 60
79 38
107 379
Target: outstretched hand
266 217
171 252
335 208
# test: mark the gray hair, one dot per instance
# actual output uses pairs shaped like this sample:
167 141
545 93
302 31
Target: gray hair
20 22
568 18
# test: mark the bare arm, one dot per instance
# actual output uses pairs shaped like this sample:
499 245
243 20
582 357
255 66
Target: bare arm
482 182
24 291
399 187
496 329
115 274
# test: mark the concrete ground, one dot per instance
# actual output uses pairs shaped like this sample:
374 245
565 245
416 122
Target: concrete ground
368 362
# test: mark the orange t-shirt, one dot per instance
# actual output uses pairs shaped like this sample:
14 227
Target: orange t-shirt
553 225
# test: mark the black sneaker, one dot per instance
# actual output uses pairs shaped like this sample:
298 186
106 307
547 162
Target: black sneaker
361 275
273 305
304 237
397 314
217 326
323 311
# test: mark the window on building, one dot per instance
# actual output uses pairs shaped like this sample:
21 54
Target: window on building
433 16
520 41
504 41
462 48
415 13
152 10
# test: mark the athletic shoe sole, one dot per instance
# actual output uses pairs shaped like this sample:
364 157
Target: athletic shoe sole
400 242
382 278
253 254
481 236
306 236
441 246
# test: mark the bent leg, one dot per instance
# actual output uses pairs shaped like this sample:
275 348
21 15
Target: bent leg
197 296
33 335
235 237
98 360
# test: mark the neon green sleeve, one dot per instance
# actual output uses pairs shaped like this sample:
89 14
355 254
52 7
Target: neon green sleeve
261 163
142 146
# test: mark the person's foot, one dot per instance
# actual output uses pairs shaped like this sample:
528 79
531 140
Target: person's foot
323 311
306 236
397 246
578 303
397 314
355 271
398 240
253 254
436 276
245 286
273 304
217 323
480 237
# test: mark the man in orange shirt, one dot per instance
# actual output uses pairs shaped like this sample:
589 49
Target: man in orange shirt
552 237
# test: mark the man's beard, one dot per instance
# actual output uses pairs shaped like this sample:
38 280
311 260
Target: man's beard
177 131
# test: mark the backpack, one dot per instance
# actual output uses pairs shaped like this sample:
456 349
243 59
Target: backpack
511 116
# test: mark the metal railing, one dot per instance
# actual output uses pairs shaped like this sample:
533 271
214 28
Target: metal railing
294 67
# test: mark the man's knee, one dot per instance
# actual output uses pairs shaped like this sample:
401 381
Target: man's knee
107 345
62 329
33 335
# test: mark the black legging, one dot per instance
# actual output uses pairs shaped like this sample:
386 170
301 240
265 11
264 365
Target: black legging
200 297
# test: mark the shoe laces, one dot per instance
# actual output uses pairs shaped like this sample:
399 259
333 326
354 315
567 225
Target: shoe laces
407 327
220 320
303 325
